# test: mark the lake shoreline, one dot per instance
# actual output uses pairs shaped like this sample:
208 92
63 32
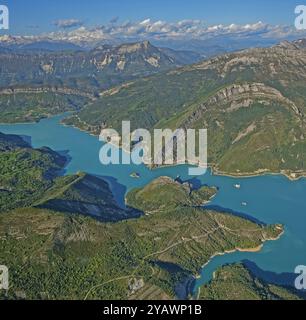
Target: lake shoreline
299 175
215 171
281 202
238 249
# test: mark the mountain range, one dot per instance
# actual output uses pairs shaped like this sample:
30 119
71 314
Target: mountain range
99 68
37 83
252 102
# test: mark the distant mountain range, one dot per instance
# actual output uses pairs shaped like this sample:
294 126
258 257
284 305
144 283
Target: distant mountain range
204 48
191 35
94 70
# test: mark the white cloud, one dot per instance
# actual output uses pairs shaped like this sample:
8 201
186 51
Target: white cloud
192 29
68 23
163 30
145 22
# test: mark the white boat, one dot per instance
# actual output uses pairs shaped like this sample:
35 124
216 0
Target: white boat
135 175
237 186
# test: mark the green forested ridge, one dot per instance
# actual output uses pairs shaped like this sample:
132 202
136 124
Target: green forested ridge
152 197
25 174
235 282
31 107
10 142
84 194
54 256
29 177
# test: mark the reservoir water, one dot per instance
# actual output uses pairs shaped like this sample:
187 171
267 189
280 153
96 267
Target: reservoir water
269 198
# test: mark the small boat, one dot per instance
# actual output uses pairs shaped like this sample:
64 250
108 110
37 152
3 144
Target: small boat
237 186
178 179
135 175
244 204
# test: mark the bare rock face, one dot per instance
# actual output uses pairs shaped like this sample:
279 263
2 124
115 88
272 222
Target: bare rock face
124 56
238 96
57 90
131 48
275 62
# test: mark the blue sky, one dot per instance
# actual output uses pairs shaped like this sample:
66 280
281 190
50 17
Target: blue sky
37 16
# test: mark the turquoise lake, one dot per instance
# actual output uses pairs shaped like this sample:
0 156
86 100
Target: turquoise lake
270 198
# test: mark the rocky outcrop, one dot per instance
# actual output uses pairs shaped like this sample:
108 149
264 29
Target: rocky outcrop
57 90
238 96
273 63
100 68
